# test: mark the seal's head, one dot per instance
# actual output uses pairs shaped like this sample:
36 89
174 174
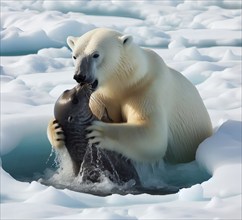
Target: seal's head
73 105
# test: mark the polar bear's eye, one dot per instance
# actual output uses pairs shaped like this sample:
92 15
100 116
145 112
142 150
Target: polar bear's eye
96 55
74 57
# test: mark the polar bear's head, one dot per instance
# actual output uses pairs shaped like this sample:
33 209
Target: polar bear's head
100 55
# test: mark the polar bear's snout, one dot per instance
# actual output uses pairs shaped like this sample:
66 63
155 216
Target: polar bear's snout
79 77
84 69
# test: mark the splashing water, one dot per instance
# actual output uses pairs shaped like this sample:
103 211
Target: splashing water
165 176
116 176
52 153
63 176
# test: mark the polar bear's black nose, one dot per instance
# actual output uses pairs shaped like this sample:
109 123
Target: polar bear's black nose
79 78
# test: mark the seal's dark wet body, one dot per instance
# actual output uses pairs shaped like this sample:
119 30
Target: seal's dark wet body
74 115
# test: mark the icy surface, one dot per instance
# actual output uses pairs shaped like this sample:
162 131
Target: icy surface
201 39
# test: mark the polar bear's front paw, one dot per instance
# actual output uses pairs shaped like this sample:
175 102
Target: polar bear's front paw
98 135
96 132
55 134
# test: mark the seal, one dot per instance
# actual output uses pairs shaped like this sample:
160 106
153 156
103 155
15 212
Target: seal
73 114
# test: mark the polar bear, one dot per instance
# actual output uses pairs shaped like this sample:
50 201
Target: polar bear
156 112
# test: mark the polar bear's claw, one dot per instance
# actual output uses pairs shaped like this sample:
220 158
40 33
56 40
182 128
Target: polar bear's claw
55 134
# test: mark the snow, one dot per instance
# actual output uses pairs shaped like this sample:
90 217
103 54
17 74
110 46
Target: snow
201 39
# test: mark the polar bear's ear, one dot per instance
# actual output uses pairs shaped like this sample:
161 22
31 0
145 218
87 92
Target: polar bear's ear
71 41
126 40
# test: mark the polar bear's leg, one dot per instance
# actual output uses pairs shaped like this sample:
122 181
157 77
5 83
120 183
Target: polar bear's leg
55 134
135 141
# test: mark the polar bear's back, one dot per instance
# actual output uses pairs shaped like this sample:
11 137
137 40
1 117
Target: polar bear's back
189 122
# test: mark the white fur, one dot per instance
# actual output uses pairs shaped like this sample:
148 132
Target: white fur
157 112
